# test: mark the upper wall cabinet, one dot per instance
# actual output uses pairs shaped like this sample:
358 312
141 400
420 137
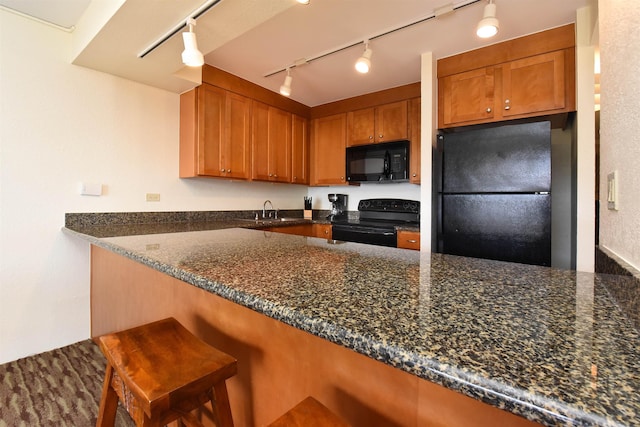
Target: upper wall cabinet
378 124
299 150
527 77
215 133
414 137
328 150
271 144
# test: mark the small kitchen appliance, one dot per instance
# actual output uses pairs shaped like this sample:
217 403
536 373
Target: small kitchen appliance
338 206
379 163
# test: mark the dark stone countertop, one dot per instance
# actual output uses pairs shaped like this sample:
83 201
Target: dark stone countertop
554 346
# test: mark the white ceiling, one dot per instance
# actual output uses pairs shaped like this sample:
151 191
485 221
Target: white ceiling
252 38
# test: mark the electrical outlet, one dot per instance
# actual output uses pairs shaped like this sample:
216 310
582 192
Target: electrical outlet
153 197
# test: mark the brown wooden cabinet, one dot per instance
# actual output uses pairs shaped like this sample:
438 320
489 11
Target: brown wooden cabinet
527 87
299 150
271 143
526 77
414 137
322 230
309 230
382 123
328 150
408 239
215 133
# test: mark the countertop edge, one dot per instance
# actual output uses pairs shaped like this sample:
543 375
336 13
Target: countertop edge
517 401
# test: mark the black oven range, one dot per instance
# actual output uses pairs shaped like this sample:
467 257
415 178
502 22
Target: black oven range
377 222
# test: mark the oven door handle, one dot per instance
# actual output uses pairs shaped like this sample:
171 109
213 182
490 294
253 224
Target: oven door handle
361 230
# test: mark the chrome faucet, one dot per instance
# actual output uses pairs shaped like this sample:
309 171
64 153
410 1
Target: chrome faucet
264 209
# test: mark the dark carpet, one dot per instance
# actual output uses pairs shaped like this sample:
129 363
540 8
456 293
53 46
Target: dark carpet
58 388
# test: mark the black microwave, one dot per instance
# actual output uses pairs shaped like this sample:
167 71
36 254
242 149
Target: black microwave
385 162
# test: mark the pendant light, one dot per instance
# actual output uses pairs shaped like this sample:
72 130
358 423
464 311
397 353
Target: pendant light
191 56
285 89
488 26
363 64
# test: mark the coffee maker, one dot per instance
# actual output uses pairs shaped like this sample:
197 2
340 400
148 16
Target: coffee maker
338 205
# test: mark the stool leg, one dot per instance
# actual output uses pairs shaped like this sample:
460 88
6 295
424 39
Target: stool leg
108 401
220 405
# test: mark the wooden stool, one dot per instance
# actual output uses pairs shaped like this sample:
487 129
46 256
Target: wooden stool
309 413
161 372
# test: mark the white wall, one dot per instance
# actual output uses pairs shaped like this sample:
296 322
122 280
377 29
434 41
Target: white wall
365 191
59 125
619 125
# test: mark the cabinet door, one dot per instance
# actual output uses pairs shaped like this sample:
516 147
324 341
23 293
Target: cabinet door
391 122
534 85
414 136
270 143
361 127
299 150
466 97
279 145
408 239
322 230
260 142
210 125
236 156
328 152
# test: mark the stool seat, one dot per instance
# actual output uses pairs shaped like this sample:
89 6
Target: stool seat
161 372
309 413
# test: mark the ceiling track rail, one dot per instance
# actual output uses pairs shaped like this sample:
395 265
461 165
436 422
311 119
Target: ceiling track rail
204 8
359 42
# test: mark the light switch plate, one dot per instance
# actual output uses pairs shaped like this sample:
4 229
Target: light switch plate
90 189
612 191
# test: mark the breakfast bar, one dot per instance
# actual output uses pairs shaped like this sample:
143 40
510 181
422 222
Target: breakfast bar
382 336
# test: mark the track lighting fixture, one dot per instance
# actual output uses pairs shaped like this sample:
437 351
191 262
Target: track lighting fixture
363 64
488 26
303 1
285 89
191 56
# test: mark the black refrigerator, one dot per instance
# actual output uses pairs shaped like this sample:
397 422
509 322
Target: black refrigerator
495 193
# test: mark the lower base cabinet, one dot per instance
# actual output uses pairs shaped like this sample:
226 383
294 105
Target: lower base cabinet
309 230
408 240
278 365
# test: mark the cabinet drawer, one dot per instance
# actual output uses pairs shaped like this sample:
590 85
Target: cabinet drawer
408 240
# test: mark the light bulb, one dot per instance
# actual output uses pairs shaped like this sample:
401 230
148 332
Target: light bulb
489 25
363 65
285 89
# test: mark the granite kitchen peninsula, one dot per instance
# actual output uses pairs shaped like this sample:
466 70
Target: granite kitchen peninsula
383 336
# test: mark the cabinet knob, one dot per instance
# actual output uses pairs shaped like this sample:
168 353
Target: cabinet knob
412 241
415 175
489 110
270 175
342 178
275 176
370 136
507 102
222 170
506 107
326 231
380 136
228 170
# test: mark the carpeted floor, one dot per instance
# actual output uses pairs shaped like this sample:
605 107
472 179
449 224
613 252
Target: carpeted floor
58 388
